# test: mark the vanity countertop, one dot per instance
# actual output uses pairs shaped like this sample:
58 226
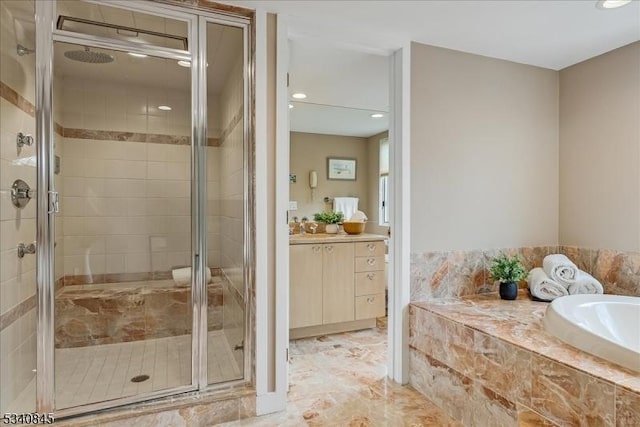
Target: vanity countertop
308 239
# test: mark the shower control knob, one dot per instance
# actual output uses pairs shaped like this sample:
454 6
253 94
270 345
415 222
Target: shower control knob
26 249
21 193
22 140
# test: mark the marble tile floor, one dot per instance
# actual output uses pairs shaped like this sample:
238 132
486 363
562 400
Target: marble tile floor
103 372
340 380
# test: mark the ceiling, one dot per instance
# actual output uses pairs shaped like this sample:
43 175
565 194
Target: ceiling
332 120
343 87
546 33
332 75
339 49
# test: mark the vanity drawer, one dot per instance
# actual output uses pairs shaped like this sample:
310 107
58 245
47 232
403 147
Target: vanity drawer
369 306
370 263
370 282
370 248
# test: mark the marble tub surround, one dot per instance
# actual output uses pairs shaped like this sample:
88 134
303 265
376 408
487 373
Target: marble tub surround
120 312
619 272
453 274
482 359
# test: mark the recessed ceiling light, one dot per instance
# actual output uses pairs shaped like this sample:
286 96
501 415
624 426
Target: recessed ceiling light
290 106
611 4
186 64
164 108
377 115
137 55
299 95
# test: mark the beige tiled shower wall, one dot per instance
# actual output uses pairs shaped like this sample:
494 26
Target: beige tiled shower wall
231 219
459 273
125 203
17 276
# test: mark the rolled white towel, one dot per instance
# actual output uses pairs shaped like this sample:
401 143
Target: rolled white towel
560 268
543 287
586 284
182 276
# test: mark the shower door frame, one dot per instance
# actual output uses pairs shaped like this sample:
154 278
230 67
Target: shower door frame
47 197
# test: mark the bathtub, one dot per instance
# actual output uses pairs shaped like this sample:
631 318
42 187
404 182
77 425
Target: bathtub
607 326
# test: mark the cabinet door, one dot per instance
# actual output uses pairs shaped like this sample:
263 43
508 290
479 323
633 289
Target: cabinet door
305 288
338 287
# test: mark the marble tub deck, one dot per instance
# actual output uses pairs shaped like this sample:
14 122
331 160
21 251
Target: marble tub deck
501 349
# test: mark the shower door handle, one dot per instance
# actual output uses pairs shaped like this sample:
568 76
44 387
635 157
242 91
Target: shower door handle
54 202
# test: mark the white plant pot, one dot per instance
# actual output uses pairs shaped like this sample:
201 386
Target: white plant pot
331 228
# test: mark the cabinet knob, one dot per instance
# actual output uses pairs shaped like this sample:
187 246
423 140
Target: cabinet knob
371 276
371 247
329 248
371 300
371 261
316 249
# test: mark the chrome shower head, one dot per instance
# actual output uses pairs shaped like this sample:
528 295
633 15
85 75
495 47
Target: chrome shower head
88 56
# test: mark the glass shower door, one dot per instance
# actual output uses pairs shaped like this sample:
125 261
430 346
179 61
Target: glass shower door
227 198
123 316
144 267
122 170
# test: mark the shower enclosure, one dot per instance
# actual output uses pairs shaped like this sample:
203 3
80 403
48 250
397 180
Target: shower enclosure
126 221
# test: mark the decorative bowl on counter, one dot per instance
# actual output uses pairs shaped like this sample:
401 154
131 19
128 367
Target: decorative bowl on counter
353 227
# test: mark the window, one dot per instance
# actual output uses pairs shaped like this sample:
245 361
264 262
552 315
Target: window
383 214
384 197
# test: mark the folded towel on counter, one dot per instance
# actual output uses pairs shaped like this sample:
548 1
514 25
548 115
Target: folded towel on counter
560 268
182 276
586 284
347 205
543 287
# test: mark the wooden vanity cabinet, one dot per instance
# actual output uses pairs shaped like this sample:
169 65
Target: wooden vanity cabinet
305 295
322 284
370 280
336 287
337 283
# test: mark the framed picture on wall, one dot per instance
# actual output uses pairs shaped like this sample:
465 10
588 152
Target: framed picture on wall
341 169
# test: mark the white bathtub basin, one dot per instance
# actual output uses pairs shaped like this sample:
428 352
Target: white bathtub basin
606 326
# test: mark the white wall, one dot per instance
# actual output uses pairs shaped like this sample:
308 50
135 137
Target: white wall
484 152
600 151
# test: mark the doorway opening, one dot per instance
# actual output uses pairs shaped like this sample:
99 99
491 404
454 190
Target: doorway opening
339 108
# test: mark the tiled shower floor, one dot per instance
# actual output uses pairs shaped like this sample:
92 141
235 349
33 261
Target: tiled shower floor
103 372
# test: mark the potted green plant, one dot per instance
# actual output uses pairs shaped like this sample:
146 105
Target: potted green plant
332 219
508 271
